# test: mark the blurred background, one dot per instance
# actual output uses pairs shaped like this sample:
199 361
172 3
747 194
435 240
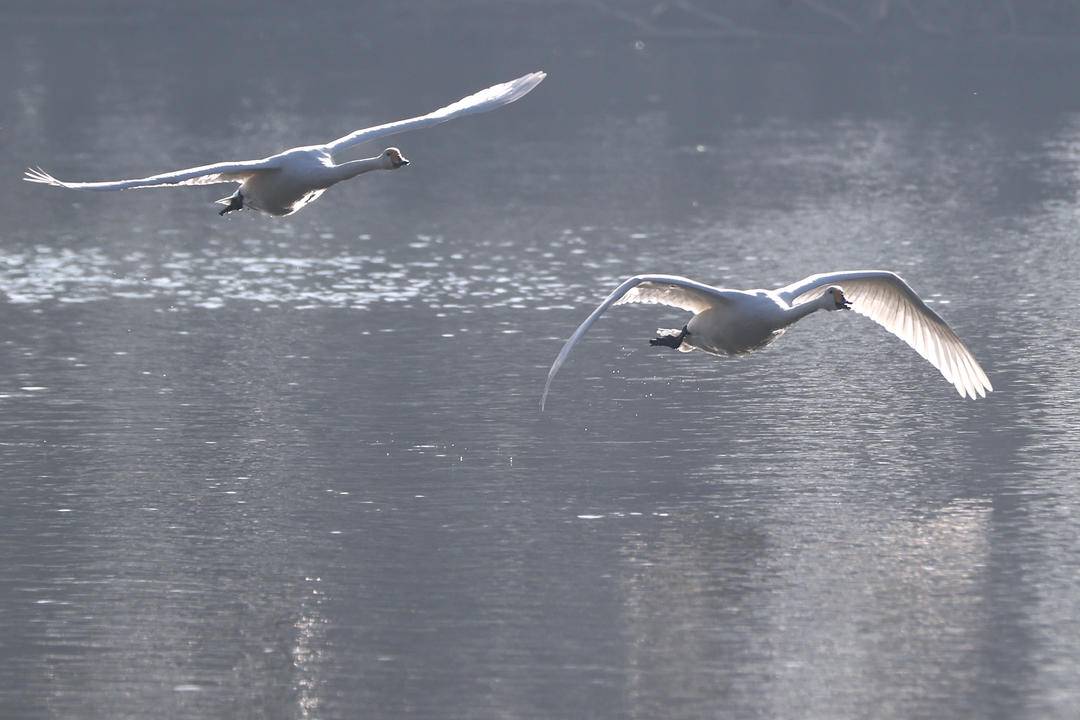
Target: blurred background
295 468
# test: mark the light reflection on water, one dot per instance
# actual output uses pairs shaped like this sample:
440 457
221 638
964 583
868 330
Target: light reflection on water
295 468
208 279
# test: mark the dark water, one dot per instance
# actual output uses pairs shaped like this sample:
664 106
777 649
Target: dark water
260 467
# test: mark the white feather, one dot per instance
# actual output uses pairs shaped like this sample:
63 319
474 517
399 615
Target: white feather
487 99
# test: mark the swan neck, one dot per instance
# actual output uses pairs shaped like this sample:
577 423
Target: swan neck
798 312
347 170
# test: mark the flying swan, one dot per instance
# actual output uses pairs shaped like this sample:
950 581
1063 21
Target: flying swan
733 322
282 184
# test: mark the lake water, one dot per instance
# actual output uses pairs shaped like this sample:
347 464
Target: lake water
293 468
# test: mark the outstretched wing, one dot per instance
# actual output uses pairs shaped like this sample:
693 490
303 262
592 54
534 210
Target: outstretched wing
204 175
670 290
886 299
489 99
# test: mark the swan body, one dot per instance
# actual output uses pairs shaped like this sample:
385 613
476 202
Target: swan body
734 322
282 184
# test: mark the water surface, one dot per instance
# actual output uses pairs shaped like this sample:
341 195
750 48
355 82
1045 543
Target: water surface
259 467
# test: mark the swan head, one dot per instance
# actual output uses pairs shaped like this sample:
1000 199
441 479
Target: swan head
394 159
839 301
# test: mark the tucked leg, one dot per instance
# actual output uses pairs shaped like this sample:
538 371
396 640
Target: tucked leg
236 202
671 341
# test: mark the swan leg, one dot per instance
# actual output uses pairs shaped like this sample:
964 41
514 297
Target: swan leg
236 202
671 341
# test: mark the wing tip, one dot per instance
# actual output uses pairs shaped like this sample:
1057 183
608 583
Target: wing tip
976 390
547 385
523 85
37 175
977 379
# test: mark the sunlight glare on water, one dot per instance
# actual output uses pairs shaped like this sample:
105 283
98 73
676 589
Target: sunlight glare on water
295 467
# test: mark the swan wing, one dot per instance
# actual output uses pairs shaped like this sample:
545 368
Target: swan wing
488 99
670 290
673 291
204 175
886 299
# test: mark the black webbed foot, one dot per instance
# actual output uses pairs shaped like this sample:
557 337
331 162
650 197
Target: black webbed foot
236 202
671 341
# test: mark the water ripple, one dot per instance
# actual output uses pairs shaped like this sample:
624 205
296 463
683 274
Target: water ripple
212 278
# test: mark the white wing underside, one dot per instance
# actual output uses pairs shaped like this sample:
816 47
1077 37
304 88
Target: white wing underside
204 175
483 101
886 299
670 290
663 292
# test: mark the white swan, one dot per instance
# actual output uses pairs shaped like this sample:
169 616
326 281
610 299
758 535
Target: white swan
282 184
731 322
